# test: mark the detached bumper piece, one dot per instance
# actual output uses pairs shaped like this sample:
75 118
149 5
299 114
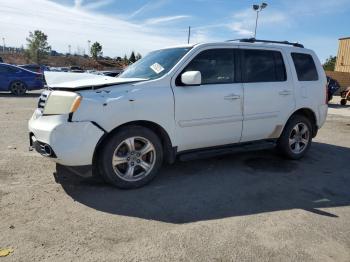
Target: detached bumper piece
40 147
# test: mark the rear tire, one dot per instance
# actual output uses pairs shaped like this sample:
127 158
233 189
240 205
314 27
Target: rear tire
296 137
18 88
343 102
131 158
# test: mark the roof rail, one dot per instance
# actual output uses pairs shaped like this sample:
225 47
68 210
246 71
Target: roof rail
253 40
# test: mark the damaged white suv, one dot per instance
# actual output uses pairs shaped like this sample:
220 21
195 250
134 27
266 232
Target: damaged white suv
183 102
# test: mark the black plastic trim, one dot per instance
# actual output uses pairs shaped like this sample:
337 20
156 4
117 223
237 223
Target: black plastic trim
209 152
253 40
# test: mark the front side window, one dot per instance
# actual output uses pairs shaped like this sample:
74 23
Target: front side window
155 64
263 66
215 65
305 67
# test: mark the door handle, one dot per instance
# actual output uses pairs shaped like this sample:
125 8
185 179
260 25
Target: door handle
232 97
285 93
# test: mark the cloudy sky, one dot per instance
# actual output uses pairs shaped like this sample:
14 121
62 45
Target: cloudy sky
143 25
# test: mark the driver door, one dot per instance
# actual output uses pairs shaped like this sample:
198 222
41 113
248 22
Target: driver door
209 114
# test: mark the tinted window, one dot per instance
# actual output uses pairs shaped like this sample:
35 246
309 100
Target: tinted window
216 66
305 67
3 69
263 66
8 69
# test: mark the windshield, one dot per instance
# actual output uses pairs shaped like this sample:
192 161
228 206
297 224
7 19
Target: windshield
155 64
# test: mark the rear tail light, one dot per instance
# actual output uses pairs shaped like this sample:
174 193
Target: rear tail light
39 77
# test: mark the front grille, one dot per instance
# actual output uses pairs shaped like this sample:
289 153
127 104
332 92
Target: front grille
42 100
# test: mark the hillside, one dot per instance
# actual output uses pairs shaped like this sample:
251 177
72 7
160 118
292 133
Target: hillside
70 60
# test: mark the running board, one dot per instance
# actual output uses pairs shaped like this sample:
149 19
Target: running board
225 150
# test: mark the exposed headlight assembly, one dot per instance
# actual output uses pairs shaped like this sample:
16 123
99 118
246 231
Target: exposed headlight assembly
62 102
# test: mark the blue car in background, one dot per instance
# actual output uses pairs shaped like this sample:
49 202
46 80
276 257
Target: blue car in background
18 80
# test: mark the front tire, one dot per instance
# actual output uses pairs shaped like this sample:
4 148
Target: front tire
131 158
296 137
343 102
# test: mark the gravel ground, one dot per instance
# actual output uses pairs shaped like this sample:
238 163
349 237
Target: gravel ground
242 207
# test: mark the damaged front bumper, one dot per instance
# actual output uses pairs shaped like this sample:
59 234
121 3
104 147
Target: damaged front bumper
67 143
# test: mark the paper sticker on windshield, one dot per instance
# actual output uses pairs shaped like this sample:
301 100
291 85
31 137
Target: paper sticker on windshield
157 68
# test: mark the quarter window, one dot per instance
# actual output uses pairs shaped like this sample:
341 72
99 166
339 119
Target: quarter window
215 65
263 66
305 67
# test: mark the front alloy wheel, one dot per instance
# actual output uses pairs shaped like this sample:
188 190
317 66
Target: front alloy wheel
131 157
134 159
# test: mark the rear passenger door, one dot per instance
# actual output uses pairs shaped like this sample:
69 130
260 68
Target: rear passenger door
268 93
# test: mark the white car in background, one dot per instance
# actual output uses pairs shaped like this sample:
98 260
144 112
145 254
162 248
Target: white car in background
183 102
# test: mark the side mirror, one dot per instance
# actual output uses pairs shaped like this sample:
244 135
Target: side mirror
191 78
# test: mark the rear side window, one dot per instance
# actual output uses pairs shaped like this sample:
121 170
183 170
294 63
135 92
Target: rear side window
263 66
8 69
305 67
215 65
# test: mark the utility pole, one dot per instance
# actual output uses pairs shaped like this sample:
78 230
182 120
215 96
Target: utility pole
3 46
89 47
69 49
189 35
258 9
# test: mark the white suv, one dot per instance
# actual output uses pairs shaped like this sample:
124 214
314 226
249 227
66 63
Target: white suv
183 102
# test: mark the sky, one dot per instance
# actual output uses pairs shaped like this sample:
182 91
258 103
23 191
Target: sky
144 25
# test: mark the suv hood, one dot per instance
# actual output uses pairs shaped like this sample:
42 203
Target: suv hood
83 81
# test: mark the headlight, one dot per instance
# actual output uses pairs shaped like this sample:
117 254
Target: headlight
62 102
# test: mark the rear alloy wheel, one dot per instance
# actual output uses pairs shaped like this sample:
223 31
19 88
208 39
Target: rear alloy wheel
18 88
296 138
131 158
299 138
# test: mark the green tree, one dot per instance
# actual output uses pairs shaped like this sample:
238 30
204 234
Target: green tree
138 56
37 46
96 50
132 58
126 60
329 65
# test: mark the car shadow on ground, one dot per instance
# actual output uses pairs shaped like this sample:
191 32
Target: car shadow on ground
234 185
9 95
336 106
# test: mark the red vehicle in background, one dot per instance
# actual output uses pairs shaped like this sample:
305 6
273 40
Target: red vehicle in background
345 96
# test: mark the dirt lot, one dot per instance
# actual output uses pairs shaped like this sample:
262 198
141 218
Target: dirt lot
242 207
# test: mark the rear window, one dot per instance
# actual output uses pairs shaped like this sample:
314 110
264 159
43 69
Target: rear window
263 66
305 67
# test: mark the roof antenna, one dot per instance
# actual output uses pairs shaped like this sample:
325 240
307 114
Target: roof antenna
189 35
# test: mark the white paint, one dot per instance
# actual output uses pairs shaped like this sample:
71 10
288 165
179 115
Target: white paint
78 80
193 116
191 78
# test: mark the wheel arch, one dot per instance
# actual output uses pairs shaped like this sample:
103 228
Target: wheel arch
168 149
309 114
16 80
